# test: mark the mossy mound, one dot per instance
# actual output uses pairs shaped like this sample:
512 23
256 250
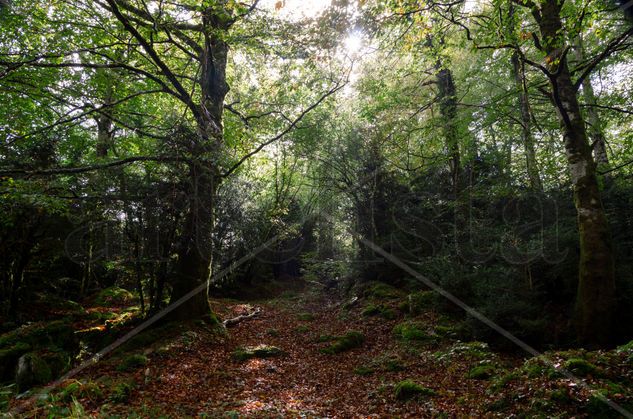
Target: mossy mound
412 331
348 341
259 351
381 291
306 317
420 301
114 296
379 310
481 372
409 389
580 367
132 362
53 336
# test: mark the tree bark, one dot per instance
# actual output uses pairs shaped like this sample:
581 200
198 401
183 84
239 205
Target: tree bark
595 131
448 111
595 302
195 257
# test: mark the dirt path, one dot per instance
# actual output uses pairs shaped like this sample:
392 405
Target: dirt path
201 377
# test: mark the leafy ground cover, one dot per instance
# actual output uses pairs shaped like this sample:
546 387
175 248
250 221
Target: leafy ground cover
192 369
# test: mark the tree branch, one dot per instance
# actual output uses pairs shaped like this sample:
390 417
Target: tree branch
293 124
89 168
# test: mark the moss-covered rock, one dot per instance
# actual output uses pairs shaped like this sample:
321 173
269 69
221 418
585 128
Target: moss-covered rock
408 389
350 340
259 351
9 358
32 370
132 362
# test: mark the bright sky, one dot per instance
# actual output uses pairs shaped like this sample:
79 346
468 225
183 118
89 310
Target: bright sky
296 9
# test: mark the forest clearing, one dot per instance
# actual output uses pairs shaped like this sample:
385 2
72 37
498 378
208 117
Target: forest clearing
316 209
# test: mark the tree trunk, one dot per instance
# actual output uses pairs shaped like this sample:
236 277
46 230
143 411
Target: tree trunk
518 71
596 133
104 125
595 302
448 110
195 257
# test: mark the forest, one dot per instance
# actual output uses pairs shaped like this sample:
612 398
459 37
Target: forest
316 208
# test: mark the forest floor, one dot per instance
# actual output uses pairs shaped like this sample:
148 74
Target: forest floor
321 356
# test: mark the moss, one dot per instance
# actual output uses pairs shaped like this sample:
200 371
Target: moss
326 338
371 310
501 381
560 395
9 357
382 291
375 310
350 340
273 332
132 362
212 319
420 301
306 317
411 331
481 372
580 366
470 350
259 351
122 392
408 389
364 370
34 371
302 329
499 405
114 296
537 367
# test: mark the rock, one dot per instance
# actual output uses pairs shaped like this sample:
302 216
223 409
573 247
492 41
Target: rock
32 370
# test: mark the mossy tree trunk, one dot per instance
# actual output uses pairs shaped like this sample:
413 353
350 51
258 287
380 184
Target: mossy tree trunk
595 302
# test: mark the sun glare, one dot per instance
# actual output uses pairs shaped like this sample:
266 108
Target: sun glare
353 43
297 9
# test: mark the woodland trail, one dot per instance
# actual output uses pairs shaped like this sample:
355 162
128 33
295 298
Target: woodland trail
198 375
